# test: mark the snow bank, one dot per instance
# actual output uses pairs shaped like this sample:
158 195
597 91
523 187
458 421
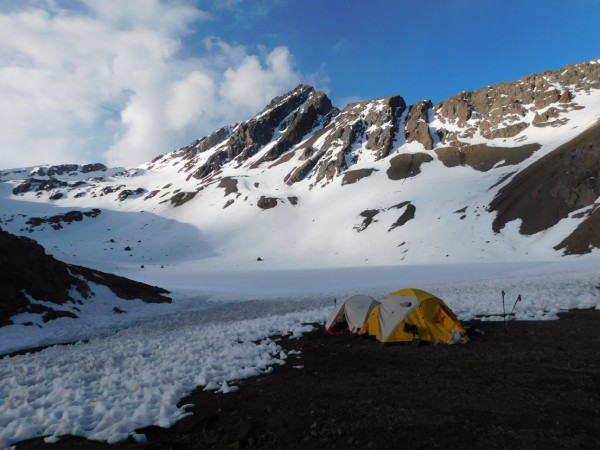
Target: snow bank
108 387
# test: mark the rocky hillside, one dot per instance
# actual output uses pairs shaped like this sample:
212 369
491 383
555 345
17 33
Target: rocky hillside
509 171
34 283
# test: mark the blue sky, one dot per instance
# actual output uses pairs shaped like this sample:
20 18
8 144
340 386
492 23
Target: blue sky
420 49
121 82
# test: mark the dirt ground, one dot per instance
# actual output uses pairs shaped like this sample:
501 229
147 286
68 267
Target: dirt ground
537 385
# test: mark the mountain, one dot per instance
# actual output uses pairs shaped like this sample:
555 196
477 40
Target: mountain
508 172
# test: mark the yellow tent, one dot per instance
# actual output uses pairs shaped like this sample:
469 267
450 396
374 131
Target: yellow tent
411 314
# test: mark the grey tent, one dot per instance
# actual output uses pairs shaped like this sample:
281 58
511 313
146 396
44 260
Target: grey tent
350 314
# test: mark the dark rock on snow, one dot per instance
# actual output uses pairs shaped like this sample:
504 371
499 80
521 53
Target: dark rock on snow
26 270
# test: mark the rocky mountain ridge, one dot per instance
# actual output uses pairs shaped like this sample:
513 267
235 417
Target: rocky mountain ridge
527 149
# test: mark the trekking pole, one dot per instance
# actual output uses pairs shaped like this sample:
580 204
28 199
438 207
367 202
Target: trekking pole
516 301
503 311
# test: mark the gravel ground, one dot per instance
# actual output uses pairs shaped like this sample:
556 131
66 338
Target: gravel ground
531 385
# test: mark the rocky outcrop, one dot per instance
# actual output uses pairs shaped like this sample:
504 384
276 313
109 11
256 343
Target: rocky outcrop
383 123
58 220
266 202
417 128
294 115
229 184
369 215
408 214
37 185
352 176
180 198
281 114
456 109
372 125
551 188
585 237
27 272
483 158
499 111
406 165
317 111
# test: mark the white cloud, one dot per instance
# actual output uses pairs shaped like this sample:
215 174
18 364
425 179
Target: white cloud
251 84
105 82
190 98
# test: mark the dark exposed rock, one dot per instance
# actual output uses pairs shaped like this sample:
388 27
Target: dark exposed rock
584 238
372 123
482 157
37 185
488 132
61 170
125 194
293 200
352 176
566 96
57 220
318 110
369 215
499 111
181 198
456 109
384 125
550 117
406 165
549 189
229 184
26 270
417 128
212 165
251 136
95 167
111 189
205 143
408 214
151 194
399 205
266 202
123 287
329 168
299 173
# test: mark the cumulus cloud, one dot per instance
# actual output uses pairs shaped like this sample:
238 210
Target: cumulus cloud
104 81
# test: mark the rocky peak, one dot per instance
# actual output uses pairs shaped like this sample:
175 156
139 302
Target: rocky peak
287 119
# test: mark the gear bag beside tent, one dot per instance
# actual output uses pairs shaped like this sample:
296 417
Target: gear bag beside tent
413 314
351 314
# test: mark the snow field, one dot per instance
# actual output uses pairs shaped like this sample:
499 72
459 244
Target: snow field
108 387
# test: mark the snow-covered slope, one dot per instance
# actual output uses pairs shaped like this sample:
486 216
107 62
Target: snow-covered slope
304 185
